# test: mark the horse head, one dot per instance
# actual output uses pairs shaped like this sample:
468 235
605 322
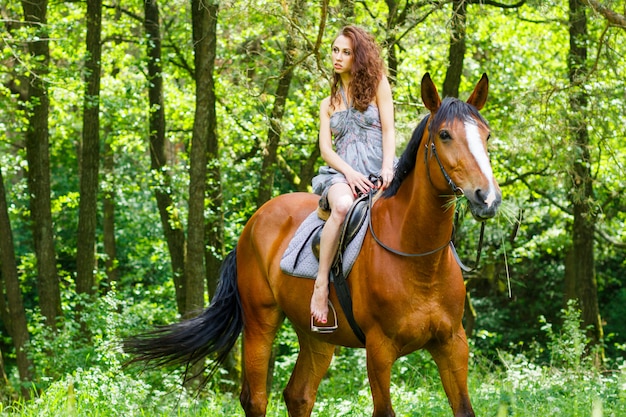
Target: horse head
456 148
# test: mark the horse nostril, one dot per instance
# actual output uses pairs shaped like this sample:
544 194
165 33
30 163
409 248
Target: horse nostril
480 196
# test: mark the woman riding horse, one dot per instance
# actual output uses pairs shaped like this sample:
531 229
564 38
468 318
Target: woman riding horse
407 288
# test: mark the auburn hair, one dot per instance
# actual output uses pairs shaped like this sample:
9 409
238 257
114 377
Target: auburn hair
367 69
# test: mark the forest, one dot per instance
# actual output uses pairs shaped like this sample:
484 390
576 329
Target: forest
138 137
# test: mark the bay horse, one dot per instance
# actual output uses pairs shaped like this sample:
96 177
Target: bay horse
407 287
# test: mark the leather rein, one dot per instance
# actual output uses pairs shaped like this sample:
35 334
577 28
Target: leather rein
456 190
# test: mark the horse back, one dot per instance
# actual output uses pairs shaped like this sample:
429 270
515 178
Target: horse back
261 245
270 229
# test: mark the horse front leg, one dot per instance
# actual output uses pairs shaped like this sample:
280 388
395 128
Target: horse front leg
311 366
380 359
452 358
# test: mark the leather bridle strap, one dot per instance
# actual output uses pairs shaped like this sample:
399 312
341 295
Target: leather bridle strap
433 150
394 251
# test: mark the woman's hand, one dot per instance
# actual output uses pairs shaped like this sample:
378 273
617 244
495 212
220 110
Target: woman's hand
358 182
386 174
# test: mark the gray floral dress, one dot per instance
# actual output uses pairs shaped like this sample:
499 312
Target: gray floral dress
358 140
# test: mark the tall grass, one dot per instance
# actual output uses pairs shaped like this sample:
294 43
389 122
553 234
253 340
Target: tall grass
515 384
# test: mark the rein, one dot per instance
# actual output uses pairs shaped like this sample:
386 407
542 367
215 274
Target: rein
456 190
394 251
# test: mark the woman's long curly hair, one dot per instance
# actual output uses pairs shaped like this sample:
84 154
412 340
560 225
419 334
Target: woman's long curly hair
367 69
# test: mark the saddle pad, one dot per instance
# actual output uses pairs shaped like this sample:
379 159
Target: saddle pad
299 260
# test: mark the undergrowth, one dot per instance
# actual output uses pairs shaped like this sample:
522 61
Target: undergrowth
517 384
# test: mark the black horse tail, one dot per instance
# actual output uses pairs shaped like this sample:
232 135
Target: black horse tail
213 332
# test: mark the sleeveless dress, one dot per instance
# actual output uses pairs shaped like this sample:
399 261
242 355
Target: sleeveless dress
358 140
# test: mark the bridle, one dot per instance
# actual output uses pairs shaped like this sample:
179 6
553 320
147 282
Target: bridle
430 150
433 150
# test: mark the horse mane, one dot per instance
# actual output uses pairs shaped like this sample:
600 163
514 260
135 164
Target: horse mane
451 109
407 160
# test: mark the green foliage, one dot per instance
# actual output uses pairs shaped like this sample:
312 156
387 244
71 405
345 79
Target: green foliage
521 271
514 385
567 347
89 335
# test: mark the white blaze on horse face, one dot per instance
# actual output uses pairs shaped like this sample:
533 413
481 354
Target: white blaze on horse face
479 152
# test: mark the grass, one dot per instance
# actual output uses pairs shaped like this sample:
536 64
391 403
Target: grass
89 380
517 388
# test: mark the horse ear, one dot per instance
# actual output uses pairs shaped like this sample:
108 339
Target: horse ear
479 96
430 95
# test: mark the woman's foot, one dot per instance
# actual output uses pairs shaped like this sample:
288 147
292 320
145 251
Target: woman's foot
319 304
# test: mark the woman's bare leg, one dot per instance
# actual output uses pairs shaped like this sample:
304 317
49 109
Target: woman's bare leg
340 199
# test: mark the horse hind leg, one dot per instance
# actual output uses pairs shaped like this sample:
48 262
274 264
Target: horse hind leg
258 338
452 360
311 366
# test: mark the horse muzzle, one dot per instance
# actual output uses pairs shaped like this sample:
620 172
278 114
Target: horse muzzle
483 205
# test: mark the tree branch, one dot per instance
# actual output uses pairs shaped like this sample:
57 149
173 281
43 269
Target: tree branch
617 243
547 195
613 17
498 4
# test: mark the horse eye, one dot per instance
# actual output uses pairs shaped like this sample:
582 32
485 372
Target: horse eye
488 137
444 135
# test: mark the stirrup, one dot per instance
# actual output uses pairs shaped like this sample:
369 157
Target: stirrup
328 328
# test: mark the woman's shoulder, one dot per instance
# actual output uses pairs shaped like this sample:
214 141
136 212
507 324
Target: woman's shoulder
325 106
383 91
383 82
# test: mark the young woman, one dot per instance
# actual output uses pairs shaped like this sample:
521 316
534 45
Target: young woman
358 118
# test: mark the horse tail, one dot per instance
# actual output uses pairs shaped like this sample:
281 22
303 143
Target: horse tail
213 332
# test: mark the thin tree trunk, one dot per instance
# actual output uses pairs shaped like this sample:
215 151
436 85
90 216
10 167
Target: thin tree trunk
396 18
456 54
347 11
214 232
37 144
307 171
3 374
108 218
12 312
172 225
90 154
580 270
269 165
194 265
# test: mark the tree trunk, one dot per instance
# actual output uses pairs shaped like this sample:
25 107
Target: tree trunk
90 155
268 168
171 223
308 171
580 271
108 218
203 45
346 8
12 312
37 144
456 54
214 233
396 18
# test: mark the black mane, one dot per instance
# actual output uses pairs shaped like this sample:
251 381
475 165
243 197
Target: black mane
451 109
407 160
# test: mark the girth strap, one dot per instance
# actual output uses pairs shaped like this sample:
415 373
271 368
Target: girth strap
345 299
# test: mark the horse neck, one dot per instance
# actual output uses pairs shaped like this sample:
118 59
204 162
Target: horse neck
419 214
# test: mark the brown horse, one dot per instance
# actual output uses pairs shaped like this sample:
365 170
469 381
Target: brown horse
407 288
